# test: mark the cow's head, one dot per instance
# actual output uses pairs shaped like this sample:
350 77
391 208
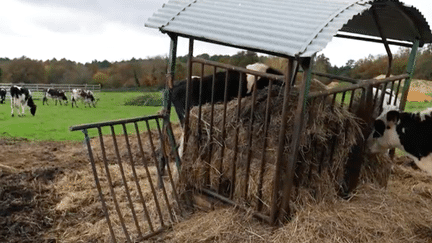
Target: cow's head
32 106
384 135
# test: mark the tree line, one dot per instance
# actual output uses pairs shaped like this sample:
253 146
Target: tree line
151 72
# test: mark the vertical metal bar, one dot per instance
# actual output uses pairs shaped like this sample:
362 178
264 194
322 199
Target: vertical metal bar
351 100
280 156
126 187
384 39
343 99
236 136
200 106
105 160
158 170
410 70
170 73
98 186
208 171
264 148
296 136
397 91
391 93
168 167
138 186
147 216
189 88
222 153
158 209
249 136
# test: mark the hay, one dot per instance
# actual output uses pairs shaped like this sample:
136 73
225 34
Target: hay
325 127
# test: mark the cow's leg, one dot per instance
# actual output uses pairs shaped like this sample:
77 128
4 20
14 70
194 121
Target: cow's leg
12 106
45 100
22 108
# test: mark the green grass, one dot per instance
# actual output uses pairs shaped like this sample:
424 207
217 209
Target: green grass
53 122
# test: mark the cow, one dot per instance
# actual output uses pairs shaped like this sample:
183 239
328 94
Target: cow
410 132
178 93
2 95
85 95
21 98
55 94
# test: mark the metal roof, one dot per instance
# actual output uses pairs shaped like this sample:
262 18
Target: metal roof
288 27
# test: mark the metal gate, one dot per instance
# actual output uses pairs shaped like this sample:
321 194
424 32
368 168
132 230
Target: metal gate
136 198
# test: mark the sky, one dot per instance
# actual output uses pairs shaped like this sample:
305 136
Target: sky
113 30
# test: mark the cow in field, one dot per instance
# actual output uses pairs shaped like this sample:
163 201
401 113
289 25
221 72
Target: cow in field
85 95
2 95
178 94
21 98
55 94
410 132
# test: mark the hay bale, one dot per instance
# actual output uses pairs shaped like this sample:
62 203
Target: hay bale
326 129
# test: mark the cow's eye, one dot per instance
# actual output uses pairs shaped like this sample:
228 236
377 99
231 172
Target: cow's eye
388 127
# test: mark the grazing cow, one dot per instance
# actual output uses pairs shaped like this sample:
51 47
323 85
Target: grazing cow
85 95
410 132
55 94
178 94
20 98
2 95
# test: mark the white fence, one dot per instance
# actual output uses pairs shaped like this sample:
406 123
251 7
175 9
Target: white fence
38 89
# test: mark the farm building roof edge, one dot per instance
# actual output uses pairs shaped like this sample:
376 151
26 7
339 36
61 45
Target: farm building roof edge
291 27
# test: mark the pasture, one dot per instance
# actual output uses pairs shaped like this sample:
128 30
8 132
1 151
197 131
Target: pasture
47 191
53 122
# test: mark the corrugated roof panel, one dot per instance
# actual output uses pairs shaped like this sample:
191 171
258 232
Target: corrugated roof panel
289 27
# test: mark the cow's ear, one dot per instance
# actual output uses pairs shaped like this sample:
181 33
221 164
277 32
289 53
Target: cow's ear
393 116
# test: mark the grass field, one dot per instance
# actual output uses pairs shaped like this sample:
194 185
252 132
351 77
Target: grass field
53 122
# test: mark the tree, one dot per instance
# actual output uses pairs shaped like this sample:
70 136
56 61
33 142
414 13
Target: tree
25 70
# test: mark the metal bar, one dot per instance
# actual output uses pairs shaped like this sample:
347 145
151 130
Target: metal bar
351 100
364 83
391 93
141 196
158 209
249 136
223 131
346 79
115 122
168 167
296 136
188 95
264 148
236 136
373 40
257 215
200 106
98 186
343 98
384 40
110 184
126 187
159 171
397 91
210 152
238 69
410 71
280 157
159 231
169 84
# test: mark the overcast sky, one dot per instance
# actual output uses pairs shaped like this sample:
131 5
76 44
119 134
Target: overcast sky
113 30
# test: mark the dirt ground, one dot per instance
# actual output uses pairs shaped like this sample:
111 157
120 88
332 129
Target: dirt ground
35 178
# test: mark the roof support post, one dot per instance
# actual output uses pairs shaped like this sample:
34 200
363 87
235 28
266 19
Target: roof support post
386 44
288 178
410 70
188 92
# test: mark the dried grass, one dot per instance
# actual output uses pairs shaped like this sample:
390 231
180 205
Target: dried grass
325 126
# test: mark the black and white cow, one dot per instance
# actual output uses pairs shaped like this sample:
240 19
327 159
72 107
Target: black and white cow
2 95
21 98
55 94
85 95
410 132
178 94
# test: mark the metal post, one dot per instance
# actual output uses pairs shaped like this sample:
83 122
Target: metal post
296 135
410 71
170 73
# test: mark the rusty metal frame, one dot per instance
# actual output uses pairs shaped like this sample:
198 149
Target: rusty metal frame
112 197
